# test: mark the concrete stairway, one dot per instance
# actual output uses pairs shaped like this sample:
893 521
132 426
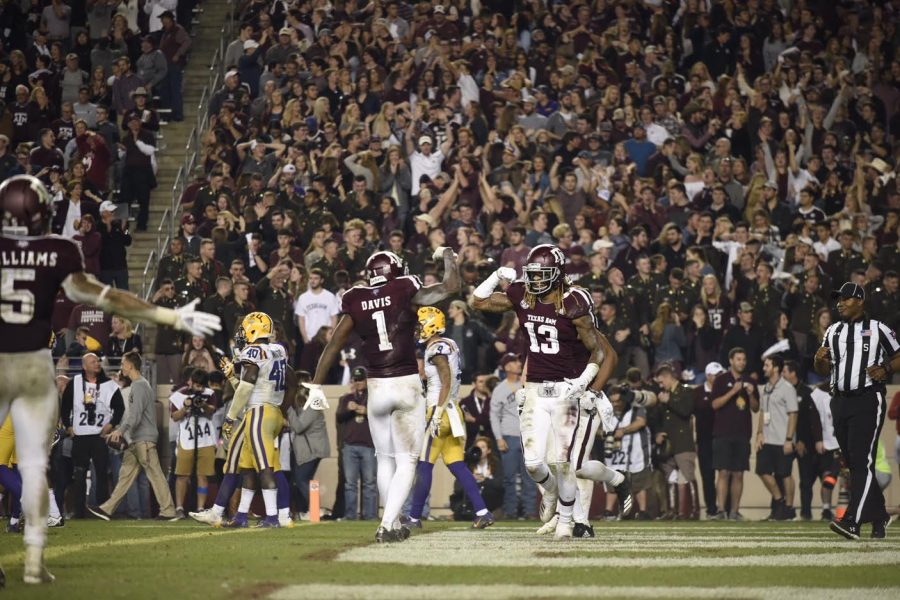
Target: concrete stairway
206 37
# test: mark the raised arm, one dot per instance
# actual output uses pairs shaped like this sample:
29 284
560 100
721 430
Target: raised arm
84 289
486 299
432 294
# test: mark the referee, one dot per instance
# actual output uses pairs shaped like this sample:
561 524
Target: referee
860 354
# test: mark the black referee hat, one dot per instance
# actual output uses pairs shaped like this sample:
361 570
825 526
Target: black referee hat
849 290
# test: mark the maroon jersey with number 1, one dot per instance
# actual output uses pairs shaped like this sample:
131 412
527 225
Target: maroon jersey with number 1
385 319
32 270
555 351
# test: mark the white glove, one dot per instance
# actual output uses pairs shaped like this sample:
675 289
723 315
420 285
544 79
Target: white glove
439 252
435 424
316 399
196 322
580 383
520 399
605 410
588 401
506 273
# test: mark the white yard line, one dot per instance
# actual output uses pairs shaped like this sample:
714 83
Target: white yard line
55 551
512 592
520 549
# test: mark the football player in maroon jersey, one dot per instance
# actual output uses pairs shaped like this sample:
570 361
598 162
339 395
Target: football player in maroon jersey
569 361
35 266
383 313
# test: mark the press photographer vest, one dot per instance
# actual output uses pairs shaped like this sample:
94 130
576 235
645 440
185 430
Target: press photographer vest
629 457
205 430
89 418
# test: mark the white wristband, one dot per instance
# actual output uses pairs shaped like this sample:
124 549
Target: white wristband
590 371
487 287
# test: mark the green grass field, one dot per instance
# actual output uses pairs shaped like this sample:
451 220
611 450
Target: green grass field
97 560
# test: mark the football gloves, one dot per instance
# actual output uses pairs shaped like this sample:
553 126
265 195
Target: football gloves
196 322
316 399
435 424
227 367
227 428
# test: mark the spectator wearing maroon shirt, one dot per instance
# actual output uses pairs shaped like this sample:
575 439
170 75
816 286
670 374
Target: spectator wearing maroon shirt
734 397
90 241
515 256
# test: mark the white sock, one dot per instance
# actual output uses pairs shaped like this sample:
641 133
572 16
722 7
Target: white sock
597 471
584 493
13 520
284 513
542 476
401 484
481 512
567 493
54 508
246 500
270 497
218 510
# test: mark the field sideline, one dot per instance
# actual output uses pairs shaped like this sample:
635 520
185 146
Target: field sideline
126 559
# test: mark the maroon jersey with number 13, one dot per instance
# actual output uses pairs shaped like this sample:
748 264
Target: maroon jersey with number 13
385 319
555 351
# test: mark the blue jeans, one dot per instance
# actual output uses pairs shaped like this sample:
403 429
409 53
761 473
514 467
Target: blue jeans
359 463
137 501
513 467
170 92
302 475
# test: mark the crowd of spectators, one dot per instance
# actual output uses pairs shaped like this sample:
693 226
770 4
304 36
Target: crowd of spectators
711 169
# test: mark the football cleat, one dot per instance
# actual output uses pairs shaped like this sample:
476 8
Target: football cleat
582 530
410 523
15 526
269 523
626 501
207 516
846 528
386 536
286 522
35 571
484 521
238 522
549 527
402 533
548 504
59 521
563 531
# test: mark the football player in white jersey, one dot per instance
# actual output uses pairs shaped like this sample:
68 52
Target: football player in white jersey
446 435
264 381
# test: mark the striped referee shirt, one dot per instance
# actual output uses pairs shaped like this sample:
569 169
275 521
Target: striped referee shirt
854 347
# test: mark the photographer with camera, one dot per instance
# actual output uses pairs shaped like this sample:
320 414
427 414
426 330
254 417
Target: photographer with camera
136 436
195 455
91 407
627 447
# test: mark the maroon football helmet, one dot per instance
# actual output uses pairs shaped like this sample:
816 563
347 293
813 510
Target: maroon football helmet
25 206
544 269
383 267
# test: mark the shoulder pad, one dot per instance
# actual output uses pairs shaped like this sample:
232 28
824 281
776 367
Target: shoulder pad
251 354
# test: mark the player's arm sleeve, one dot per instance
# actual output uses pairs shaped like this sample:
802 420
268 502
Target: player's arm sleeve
65 407
118 408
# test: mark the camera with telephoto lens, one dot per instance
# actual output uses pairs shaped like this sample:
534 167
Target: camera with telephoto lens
195 405
635 397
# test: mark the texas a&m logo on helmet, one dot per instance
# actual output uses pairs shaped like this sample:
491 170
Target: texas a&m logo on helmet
544 269
383 267
25 206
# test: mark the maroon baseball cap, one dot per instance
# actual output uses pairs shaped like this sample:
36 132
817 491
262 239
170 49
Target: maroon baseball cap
188 219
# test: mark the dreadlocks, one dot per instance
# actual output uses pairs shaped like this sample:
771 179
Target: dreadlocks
558 295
